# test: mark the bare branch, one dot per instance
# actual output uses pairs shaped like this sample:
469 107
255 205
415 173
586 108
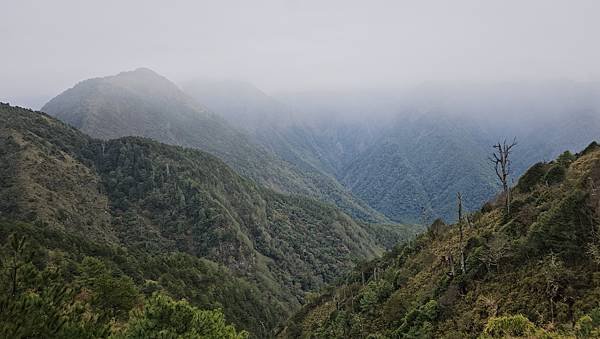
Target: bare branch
502 165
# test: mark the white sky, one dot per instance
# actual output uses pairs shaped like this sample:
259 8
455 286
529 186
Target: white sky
47 46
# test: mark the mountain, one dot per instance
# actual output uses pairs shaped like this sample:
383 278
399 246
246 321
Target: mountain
293 136
407 152
530 273
414 169
152 212
143 103
406 168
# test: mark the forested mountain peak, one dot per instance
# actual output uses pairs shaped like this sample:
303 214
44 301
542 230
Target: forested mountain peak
137 102
143 103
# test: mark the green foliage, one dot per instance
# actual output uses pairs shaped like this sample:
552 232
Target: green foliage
565 159
163 317
557 171
100 278
114 295
62 297
418 323
37 302
588 326
527 275
595 315
145 213
237 222
556 174
584 327
534 176
373 293
509 326
564 228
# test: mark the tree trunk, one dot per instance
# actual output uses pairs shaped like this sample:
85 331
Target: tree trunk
14 280
460 227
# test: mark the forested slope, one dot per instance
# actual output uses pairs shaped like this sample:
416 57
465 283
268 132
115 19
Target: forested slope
533 272
406 152
143 103
151 203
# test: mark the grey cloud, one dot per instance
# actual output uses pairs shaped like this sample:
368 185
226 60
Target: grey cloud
296 45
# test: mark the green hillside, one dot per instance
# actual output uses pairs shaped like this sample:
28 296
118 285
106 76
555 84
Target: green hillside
68 286
143 103
415 168
533 273
177 219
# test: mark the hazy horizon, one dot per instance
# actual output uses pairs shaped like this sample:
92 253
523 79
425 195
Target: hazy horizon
285 46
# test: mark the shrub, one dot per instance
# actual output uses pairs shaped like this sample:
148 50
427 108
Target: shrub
590 148
163 317
556 174
566 158
584 327
487 207
418 322
595 315
509 326
373 293
532 177
437 228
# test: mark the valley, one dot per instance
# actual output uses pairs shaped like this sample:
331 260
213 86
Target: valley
317 204
279 169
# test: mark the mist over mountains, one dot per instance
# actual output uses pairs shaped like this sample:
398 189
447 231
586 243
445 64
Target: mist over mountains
282 195
293 189
281 169
407 152
143 103
379 155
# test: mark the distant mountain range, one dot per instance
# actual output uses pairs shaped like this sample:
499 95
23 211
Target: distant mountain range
406 153
378 155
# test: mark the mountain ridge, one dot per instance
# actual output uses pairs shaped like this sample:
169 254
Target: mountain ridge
528 273
145 196
124 105
405 152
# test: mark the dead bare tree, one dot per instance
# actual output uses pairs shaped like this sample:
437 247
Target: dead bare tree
500 159
450 260
495 250
460 228
553 269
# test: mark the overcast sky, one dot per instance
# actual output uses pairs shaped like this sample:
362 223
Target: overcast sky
47 46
